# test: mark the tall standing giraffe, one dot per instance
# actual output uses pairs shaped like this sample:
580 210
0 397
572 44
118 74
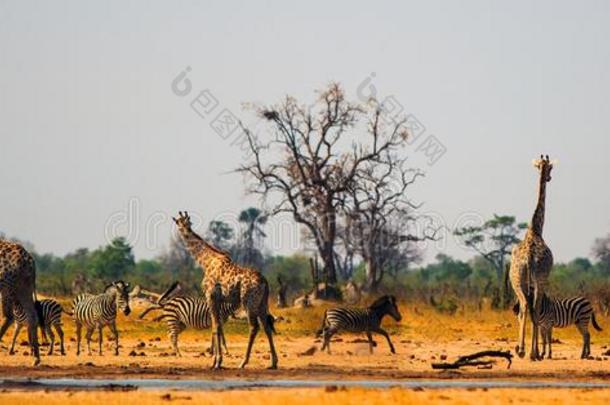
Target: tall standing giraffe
17 287
219 268
531 264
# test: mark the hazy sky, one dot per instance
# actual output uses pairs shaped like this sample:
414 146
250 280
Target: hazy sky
93 142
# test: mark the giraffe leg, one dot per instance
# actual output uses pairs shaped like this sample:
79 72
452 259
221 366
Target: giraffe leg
268 327
15 334
253 321
523 309
534 311
31 319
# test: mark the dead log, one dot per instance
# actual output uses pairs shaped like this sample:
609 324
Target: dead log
472 360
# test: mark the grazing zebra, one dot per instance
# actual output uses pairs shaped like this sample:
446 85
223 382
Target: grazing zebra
49 314
180 313
561 313
360 320
97 311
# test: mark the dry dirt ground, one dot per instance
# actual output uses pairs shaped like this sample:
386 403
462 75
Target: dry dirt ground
422 338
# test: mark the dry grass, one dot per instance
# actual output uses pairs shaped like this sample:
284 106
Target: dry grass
319 396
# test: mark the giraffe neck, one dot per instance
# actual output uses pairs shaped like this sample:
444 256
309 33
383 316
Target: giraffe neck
193 242
206 255
538 218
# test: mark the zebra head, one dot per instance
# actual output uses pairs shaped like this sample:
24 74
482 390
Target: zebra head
387 305
120 289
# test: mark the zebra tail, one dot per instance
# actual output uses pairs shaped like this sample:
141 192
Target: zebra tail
150 308
65 311
594 322
319 331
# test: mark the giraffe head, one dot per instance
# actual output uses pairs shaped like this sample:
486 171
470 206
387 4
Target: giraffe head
183 222
544 166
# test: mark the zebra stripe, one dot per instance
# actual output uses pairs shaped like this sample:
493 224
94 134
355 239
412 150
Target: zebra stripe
181 313
360 320
49 315
97 311
561 313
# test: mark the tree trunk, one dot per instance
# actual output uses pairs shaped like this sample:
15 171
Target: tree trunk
373 276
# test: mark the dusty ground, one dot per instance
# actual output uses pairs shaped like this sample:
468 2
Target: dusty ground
423 337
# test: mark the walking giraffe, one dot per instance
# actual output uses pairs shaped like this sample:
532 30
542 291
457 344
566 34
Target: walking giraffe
219 268
17 287
531 263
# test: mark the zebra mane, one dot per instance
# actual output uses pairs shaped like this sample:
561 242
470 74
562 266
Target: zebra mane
175 286
381 301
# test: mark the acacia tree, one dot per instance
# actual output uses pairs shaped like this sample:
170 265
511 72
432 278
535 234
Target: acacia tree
249 251
310 157
494 241
220 233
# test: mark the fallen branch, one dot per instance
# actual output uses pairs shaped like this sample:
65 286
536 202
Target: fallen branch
472 360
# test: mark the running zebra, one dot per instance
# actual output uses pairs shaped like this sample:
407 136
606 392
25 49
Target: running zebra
561 313
49 315
360 320
180 313
97 311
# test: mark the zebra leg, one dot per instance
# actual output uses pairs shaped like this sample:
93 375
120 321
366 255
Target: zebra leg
387 336
550 342
370 338
60 332
79 327
586 340
52 336
543 335
15 334
174 328
253 321
268 328
101 337
9 317
327 333
115 332
31 319
88 335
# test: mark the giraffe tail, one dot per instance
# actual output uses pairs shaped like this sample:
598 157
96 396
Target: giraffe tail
594 322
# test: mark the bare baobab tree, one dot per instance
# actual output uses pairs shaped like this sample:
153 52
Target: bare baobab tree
383 222
307 161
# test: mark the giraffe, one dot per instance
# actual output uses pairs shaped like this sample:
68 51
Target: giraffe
531 264
219 268
17 287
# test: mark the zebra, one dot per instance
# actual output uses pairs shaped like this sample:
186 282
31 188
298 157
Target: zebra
49 314
360 320
180 313
561 313
97 311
